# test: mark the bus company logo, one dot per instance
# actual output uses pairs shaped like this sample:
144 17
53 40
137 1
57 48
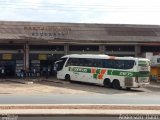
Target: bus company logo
126 74
98 73
77 69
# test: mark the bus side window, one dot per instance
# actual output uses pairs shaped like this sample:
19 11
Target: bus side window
69 62
76 62
129 64
87 62
94 63
119 64
108 63
97 63
80 62
90 62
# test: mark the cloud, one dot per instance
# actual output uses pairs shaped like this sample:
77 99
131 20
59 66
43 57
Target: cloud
88 11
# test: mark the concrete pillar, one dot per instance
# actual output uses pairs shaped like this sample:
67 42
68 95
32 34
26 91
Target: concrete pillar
26 56
102 49
66 49
137 50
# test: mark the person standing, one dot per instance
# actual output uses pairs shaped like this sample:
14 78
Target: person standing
3 72
55 69
34 72
48 72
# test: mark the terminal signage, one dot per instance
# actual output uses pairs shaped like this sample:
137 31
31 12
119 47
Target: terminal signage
42 57
47 31
7 56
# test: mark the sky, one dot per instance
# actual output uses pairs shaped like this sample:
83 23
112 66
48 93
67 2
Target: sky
82 11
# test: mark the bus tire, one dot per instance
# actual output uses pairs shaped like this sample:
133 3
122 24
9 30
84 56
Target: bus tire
116 84
107 83
128 88
67 77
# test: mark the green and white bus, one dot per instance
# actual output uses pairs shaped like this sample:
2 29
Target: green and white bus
110 71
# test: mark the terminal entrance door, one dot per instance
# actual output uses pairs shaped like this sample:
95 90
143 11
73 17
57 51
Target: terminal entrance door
7 68
45 65
49 63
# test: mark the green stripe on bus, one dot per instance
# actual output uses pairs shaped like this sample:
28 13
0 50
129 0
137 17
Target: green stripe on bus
126 73
122 73
109 72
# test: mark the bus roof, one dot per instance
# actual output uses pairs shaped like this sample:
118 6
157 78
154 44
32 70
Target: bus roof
100 56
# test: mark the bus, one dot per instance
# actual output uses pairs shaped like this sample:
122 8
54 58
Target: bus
109 71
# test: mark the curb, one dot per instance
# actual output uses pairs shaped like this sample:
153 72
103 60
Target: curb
73 112
54 81
81 107
80 110
32 81
22 81
84 112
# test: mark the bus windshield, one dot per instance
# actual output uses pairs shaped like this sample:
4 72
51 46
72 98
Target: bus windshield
60 64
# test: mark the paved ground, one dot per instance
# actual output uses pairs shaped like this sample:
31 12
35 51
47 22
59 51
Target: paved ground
56 90
64 87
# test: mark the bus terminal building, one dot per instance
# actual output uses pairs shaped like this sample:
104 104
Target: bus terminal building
28 45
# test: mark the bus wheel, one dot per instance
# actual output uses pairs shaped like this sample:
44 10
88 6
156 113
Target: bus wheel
127 88
107 83
67 77
116 84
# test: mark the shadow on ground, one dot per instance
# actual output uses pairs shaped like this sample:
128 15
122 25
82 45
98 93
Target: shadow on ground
88 87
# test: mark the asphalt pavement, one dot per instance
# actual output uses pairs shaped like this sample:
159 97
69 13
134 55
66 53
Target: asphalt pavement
79 99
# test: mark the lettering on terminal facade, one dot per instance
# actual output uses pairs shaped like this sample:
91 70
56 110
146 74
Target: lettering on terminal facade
47 31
